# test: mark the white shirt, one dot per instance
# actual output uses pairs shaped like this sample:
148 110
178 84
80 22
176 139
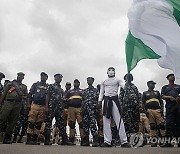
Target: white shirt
110 87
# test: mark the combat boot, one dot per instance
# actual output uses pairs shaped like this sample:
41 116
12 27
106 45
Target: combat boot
100 140
29 139
65 141
72 140
35 139
85 141
95 141
20 139
14 138
47 140
7 139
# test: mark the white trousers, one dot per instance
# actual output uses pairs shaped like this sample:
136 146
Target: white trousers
107 126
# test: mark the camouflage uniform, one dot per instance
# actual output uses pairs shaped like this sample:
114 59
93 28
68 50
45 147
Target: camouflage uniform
55 109
130 101
89 103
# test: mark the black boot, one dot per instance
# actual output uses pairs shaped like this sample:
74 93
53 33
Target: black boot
85 141
35 139
72 140
14 138
47 140
20 139
29 139
95 141
7 139
65 141
100 140
82 141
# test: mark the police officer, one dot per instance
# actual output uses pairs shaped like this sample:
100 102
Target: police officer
74 97
12 96
171 94
151 100
89 103
37 95
130 100
54 99
65 102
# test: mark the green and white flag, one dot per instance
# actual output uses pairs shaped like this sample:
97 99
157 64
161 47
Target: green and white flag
154 33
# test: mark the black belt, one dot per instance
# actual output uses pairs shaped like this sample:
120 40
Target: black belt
12 100
38 103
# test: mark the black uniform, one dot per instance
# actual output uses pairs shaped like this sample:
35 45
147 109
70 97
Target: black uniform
172 110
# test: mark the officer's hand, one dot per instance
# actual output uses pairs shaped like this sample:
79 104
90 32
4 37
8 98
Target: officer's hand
99 105
172 98
28 107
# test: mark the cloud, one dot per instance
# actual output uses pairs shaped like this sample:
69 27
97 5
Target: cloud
74 37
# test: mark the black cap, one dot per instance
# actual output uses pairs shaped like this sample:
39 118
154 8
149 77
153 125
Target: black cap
58 74
43 73
76 80
152 82
2 75
90 78
169 75
20 73
128 74
111 68
68 83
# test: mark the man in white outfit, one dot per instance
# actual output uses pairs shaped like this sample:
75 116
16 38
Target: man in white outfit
111 108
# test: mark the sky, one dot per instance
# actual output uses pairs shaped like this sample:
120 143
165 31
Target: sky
77 38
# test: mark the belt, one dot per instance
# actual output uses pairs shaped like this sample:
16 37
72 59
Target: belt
152 100
73 97
39 103
13 100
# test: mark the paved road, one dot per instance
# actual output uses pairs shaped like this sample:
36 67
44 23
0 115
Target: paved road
58 149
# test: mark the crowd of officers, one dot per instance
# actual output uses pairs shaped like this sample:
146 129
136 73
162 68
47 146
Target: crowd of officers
31 113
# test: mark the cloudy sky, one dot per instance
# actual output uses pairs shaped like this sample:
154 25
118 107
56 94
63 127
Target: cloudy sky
78 38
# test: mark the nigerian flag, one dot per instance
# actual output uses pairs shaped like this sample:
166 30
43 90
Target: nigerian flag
154 33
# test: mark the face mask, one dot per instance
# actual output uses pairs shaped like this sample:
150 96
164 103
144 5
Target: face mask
111 73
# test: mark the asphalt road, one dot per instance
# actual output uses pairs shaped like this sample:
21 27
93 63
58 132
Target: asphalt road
58 149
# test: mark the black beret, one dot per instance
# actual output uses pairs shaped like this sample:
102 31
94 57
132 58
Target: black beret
76 80
58 74
90 78
20 73
68 83
169 75
43 73
151 82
